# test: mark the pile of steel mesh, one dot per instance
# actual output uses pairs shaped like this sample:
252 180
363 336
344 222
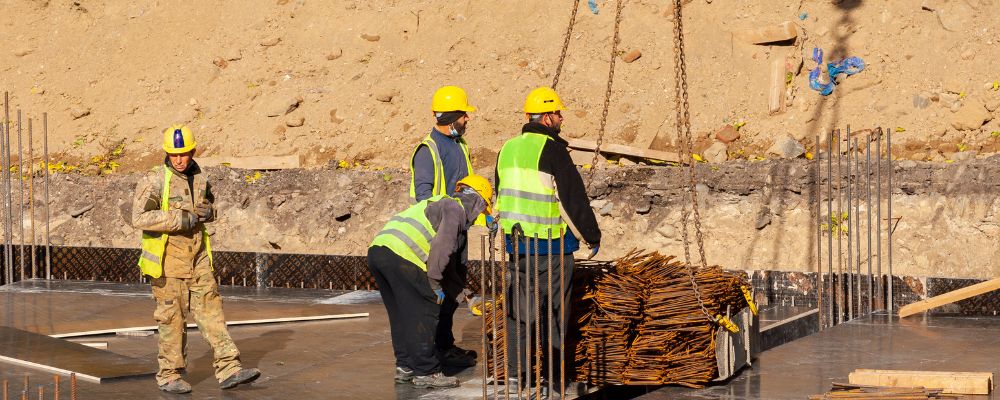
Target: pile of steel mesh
644 324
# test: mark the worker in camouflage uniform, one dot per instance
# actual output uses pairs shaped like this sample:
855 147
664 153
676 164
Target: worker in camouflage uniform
172 204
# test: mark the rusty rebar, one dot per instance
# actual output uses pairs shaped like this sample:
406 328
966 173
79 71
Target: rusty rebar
5 390
562 311
482 305
868 226
829 238
72 386
818 164
850 217
548 315
538 322
837 279
55 386
8 238
48 214
31 199
878 218
20 194
888 151
857 224
516 294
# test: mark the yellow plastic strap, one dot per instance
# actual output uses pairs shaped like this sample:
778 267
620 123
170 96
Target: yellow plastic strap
726 323
749 296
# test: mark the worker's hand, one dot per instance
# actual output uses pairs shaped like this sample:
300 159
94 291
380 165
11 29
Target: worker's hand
493 225
440 296
593 250
204 211
188 220
438 291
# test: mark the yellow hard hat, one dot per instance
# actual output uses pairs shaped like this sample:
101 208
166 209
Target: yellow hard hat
481 186
451 98
178 139
542 100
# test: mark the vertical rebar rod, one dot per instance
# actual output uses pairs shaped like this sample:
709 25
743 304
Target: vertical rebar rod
528 310
41 392
819 228
482 305
857 222
562 312
72 386
516 292
31 199
878 219
505 307
494 312
840 225
8 272
548 315
20 194
55 387
868 227
829 221
888 151
538 323
45 149
850 218
5 390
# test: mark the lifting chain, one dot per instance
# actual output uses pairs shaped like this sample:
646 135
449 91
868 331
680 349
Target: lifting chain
684 133
619 5
569 33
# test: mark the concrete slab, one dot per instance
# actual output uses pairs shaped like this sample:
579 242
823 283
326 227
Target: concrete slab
43 353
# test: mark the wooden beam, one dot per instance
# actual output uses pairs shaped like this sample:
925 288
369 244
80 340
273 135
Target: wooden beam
253 162
776 90
950 382
623 150
769 34
950 297
228 323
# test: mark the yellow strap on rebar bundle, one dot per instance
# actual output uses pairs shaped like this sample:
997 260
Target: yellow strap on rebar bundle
726 323
749 296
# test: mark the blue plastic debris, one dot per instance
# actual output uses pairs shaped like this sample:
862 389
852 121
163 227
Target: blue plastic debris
593 6
849 66
803 16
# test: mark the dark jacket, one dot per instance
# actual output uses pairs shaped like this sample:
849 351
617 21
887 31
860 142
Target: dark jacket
452 158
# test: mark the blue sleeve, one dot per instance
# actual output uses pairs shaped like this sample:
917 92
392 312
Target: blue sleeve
423 174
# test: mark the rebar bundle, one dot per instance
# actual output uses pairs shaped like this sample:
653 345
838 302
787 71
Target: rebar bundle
647 324
845 391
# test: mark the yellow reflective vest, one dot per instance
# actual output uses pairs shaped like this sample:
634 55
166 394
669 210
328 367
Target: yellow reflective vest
154 245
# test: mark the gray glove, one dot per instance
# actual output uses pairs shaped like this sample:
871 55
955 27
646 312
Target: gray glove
189 220
204 211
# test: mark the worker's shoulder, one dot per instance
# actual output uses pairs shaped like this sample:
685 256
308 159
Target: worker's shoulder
152 176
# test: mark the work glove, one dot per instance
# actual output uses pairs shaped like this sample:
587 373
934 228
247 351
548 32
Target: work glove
493 225
189 220
438 291
593 250
204 211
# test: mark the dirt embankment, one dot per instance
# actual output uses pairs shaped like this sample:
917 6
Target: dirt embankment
759 215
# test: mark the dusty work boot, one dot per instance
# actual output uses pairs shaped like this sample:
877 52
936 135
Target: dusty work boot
404 375
455 356
435 381
244 375
176 386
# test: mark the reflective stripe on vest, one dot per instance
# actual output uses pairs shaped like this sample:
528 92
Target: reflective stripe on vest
409 233
522 197
155 245
440 183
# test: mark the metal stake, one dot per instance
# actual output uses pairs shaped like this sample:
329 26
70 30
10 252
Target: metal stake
517 308
549 320
878 218
562 311
857 223
482 299
850 217
45 147
829 238
8 261
888 146
505 307
868 189
840 246
819 231
538 323
20 193
55 386
493 315
31 201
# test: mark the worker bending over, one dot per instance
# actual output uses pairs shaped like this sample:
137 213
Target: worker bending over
409 259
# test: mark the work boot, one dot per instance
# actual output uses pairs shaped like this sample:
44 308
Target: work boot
455 356
404 375
435 381
176 386
244 375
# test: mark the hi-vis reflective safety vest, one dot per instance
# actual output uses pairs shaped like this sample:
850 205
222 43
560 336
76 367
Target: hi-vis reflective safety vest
522 198
153 245
440 185
409 233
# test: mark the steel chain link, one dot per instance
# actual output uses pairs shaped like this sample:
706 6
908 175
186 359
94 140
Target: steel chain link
684 133
619 5
565 47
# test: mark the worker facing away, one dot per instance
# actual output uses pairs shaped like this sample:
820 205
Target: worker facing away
171 206
437 164
541 195
410 259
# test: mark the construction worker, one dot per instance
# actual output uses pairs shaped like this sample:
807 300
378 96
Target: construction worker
437 164
541 194
409 259
172 204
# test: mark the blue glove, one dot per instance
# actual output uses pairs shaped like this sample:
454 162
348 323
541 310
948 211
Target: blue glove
594 250
440 295
492 225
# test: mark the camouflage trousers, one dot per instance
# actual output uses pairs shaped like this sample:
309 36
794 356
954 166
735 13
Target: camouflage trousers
175 297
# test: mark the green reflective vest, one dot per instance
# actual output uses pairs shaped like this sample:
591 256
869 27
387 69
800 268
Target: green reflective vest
409 233
522 198
440 185
154 245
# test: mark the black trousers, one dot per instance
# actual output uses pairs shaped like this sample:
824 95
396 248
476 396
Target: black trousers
527 317
452 282
412 309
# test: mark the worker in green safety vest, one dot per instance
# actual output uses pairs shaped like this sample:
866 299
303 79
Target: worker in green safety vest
540 194
437 164
409 259
172 204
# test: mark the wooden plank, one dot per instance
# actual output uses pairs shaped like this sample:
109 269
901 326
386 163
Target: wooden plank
950 297
96 345
949 381
776 91
623 150
253 162
769 34
228 323
58 356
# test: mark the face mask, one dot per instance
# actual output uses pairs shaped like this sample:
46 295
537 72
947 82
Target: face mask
457 130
